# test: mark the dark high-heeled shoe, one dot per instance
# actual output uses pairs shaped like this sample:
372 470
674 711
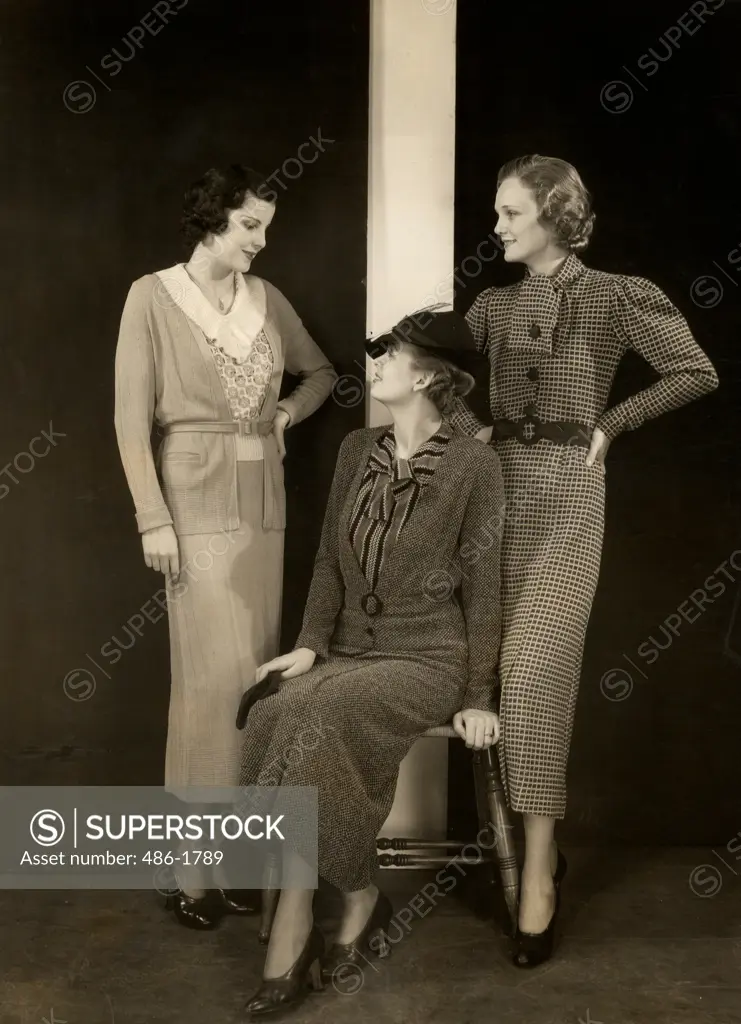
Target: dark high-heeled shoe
276 995
372 939
243 902
205 913
531 950
202 913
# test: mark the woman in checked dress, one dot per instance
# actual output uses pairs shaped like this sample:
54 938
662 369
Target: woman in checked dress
202 349
554 341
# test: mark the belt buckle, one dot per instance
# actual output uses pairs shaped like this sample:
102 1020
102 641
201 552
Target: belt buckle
525 422
241 424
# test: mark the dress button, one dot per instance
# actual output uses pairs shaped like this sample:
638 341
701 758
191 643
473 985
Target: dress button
371 604
370 631
530 410
534 332
533 374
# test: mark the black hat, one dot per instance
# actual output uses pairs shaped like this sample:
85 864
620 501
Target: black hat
443 333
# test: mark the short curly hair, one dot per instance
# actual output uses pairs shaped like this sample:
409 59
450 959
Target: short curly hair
207 202
448 382
564 204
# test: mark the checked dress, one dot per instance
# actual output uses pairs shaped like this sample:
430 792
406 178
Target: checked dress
554 344
395 656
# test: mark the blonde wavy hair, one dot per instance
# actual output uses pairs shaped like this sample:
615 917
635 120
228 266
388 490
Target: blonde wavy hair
448 382
564 204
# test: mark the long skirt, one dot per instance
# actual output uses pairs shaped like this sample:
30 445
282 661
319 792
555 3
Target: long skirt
551 549
367 711
224 616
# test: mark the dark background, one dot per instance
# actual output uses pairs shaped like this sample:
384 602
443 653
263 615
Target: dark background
662 764
90 201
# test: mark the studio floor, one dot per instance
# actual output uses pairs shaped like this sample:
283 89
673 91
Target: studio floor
637 946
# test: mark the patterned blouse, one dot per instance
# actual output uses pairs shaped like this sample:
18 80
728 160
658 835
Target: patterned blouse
554 344
245 383
387 496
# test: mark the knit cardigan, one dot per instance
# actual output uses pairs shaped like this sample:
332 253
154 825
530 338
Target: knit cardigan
165 372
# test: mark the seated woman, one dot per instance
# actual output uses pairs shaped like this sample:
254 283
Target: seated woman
400 633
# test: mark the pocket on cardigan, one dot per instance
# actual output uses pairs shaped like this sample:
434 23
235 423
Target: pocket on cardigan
182 457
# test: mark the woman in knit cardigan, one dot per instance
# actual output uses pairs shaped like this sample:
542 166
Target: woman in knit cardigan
400 633
202 350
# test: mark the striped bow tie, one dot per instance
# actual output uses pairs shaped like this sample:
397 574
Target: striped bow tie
393 477
391 480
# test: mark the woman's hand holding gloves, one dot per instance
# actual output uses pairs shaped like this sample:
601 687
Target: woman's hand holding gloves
295 663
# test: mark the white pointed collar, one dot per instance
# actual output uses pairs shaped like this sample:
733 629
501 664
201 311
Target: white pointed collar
234 331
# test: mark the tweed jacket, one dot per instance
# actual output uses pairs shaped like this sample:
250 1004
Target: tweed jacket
437 598
165 371
554 343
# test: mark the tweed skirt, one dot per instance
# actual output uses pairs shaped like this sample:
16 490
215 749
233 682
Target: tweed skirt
367 710
551 550
224 616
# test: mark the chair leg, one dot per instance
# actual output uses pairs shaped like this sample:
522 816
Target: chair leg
498 819
270 897
485 836
482 805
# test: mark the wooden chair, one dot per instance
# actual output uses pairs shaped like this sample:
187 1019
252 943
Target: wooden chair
494 841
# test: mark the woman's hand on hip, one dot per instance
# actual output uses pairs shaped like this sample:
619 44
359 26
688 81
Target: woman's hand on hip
295 663
160 547
280 422
479 729
598 448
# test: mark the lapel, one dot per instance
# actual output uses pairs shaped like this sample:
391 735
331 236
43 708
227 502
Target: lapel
348 559
217 388
275 341
424 521
421 527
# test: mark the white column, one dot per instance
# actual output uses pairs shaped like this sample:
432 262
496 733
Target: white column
410 255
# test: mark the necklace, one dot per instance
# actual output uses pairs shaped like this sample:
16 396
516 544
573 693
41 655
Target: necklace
221 302
223 305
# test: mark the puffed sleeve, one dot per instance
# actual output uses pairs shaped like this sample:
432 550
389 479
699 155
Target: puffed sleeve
476 318
649 323
327 590
134 407
480 553
303 358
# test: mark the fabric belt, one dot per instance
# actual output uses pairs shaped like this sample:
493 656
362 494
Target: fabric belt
530 429
241 427
274 516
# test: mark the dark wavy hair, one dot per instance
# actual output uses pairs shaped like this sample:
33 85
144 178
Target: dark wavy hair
207 202
564 204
